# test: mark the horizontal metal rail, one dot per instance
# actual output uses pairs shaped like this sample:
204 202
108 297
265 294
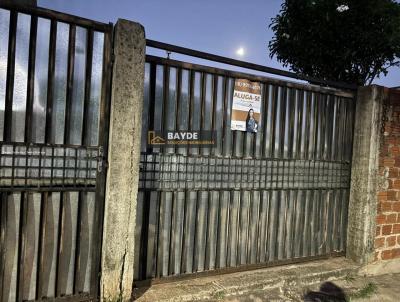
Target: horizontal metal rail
247 65
231 270
236 74
61 17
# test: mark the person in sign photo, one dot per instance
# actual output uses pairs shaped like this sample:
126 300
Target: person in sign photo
251 122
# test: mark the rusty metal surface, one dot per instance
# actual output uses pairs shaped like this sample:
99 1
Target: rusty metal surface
53 145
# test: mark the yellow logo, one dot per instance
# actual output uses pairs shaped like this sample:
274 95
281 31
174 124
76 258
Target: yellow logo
154 139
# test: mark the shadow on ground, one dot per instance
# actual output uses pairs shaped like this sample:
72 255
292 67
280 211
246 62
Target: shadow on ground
328 292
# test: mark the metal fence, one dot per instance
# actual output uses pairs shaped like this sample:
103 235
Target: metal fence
54 92
278 196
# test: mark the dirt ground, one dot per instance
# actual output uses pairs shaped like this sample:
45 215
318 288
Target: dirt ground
353 288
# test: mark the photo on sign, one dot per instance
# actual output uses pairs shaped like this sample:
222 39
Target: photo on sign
246 106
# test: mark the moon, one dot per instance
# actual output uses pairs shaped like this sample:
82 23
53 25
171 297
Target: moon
240 52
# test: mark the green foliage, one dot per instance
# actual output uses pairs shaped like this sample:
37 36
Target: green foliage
366 292
219 295
352 41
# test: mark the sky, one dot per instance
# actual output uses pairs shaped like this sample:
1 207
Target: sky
216 26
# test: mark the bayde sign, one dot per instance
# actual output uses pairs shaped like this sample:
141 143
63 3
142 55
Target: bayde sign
246 106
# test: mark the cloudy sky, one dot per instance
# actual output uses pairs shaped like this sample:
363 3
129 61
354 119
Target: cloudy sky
216 26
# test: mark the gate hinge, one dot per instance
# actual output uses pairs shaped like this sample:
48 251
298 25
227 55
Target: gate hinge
102 162
112 57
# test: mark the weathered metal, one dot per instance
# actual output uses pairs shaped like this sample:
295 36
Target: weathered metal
53 150
253 200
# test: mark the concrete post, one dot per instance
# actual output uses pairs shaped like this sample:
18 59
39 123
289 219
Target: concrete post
123 158
364 174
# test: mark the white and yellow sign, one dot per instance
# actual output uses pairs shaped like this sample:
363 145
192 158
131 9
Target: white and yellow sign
246 106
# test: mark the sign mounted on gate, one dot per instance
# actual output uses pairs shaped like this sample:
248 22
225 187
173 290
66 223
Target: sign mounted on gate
246 106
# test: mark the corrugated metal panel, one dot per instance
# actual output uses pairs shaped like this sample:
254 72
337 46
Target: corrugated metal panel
253 199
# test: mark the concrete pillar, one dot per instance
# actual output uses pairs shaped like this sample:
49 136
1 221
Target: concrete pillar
123 158
364 174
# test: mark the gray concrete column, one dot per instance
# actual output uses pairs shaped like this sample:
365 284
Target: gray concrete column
364 174
123 158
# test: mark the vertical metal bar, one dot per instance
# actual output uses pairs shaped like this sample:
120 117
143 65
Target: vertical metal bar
300 114
273 219
31 79
77 268
259 144
263 228
184 231
308 144
329 128
3 226
88 83
70 82
306 245
156 267
314 222
274 109
299 223
213 111
171 242
50 80
60 231
282 122
195 259
144 237
150 118
103 151
316 126
203 85
178 87
191 103
226 115
10 76
23 218
218 250
42 234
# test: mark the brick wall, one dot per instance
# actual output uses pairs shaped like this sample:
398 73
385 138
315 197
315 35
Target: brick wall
387 240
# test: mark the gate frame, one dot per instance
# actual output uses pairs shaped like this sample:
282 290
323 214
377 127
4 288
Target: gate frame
346 90
103 136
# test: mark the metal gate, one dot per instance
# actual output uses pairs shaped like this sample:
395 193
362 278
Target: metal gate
278 196
54 99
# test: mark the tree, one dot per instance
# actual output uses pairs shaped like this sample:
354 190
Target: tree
352 41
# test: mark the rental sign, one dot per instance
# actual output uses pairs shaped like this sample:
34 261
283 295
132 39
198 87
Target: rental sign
246 106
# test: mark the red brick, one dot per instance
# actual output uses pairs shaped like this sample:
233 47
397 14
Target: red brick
386 254
396 253
382 196
388 162
378 231
380 219
379 242
387 230
394 150
391 140
398 239
393 172
396 228
391 241
396 183
392 218
386 206
396 206
392 195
